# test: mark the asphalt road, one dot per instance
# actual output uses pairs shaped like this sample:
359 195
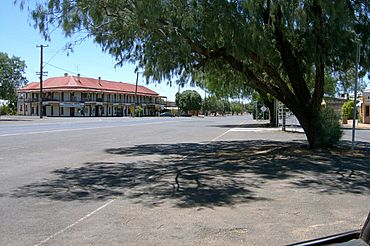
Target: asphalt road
129 181
361 135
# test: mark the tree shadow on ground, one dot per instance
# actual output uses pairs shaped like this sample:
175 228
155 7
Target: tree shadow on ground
12 120
208 174
257 125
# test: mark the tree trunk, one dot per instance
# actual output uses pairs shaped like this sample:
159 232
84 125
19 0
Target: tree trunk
308 121
271 106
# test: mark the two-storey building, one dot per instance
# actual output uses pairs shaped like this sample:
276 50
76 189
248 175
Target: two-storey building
80 96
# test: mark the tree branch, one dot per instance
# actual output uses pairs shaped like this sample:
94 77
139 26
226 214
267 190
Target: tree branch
270 71
290 62
320 63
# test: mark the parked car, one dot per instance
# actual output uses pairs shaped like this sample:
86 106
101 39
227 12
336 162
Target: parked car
166 114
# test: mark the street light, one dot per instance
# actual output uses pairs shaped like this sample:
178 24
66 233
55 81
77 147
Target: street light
355 97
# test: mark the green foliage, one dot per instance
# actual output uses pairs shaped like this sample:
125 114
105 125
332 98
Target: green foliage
236 108
177 99
222 82
330 86
346 81
249 107
283 48
7 109
189 100
174 112
257 113
173 37
139 111
227 106
328 128
210 104
347 110
11 78
215 105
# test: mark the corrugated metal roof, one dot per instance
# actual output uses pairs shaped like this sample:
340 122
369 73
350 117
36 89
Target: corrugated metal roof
76 83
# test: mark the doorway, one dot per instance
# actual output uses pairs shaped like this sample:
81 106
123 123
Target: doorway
72 112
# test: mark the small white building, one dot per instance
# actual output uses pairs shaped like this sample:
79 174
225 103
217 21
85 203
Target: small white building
80 96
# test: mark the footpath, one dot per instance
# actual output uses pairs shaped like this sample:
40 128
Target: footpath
358 126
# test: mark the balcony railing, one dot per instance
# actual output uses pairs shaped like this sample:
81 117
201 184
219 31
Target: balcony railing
51 99
86 99
31 99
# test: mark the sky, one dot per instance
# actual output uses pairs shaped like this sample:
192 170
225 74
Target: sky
19 38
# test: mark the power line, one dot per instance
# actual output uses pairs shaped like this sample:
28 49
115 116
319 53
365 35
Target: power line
56 53
60 68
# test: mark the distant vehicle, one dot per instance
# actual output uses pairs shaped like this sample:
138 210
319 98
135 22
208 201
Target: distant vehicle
185 115
166 114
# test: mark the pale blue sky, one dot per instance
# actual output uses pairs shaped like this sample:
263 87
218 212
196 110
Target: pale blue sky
19 38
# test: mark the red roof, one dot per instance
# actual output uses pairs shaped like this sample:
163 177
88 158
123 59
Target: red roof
76 83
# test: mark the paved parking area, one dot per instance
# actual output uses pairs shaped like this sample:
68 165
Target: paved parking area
208 181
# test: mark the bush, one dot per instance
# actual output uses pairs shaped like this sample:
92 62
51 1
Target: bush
7 109
347 110
139 111
328 127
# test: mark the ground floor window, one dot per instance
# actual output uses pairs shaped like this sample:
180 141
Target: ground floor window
367 111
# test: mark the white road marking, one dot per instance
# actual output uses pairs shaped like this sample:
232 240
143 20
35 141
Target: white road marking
253 129
232 130
82 129
109 202
219 136
75 223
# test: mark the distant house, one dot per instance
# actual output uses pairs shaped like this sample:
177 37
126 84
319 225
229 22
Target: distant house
80 96
365 106
334 103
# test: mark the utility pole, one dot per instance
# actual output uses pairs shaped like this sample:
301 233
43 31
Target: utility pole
41 73
276 108
355 97
135 101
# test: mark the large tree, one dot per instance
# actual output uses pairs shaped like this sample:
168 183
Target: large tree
11 77
189 100
283 48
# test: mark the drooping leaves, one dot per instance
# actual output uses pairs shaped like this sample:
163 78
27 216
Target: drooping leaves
283 48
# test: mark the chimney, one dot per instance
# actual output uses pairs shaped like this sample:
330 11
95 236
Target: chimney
65 74
78 77
99 80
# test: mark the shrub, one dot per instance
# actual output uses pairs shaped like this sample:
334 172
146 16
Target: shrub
139 111
328 127
347 110
7 109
